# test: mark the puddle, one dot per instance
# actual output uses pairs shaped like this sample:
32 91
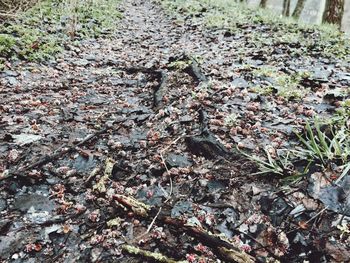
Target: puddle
311 11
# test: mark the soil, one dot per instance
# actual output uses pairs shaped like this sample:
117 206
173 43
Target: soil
114 117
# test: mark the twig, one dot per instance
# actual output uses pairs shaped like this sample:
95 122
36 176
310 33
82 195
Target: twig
149 227
8 15
159 91
154 220
319 213
174 141
166 167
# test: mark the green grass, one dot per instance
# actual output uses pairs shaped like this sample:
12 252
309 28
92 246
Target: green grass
281 165
41 32
323 144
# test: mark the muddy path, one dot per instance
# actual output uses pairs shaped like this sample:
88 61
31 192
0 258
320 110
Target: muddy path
155 113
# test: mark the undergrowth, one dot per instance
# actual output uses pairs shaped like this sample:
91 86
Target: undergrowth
284 85
318 39
42 31
323 144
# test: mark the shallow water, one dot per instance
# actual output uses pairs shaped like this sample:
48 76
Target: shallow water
311 11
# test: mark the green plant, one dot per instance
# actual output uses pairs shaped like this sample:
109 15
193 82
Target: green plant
231 120
7 42
286 85
281 165
263 90
265 71
342 114
325 148
292 92
41 31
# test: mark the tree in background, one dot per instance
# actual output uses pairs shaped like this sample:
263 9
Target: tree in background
298 8
263 3
286 8
333 11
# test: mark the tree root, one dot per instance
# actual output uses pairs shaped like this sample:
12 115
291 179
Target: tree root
160 90
49 158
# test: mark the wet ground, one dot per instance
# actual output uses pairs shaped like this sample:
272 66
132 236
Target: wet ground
157 114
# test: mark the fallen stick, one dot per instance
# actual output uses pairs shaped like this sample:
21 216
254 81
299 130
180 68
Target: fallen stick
150 255
223 249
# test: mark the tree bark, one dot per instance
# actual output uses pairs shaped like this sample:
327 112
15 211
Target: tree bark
333 11
286 7
263 3
298 9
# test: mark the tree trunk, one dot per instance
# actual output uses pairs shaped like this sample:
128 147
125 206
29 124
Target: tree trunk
298 9
333 11
286 8
263 3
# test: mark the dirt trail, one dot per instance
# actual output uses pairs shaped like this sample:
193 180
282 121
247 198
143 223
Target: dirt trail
156 98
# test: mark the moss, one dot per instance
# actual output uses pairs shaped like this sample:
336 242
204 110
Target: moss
231 120
263 90
180 64
2 64
150 255
114 222
285 85
7 42
100 186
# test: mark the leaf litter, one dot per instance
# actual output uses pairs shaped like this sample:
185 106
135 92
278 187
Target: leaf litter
137 154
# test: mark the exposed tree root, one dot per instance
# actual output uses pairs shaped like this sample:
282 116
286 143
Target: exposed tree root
160 90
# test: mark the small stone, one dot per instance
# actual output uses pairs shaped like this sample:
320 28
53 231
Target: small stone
174 160
12 81
203 182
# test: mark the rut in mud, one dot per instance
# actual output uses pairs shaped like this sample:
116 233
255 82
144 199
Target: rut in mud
156 113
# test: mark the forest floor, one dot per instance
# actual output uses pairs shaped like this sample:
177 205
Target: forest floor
153 138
